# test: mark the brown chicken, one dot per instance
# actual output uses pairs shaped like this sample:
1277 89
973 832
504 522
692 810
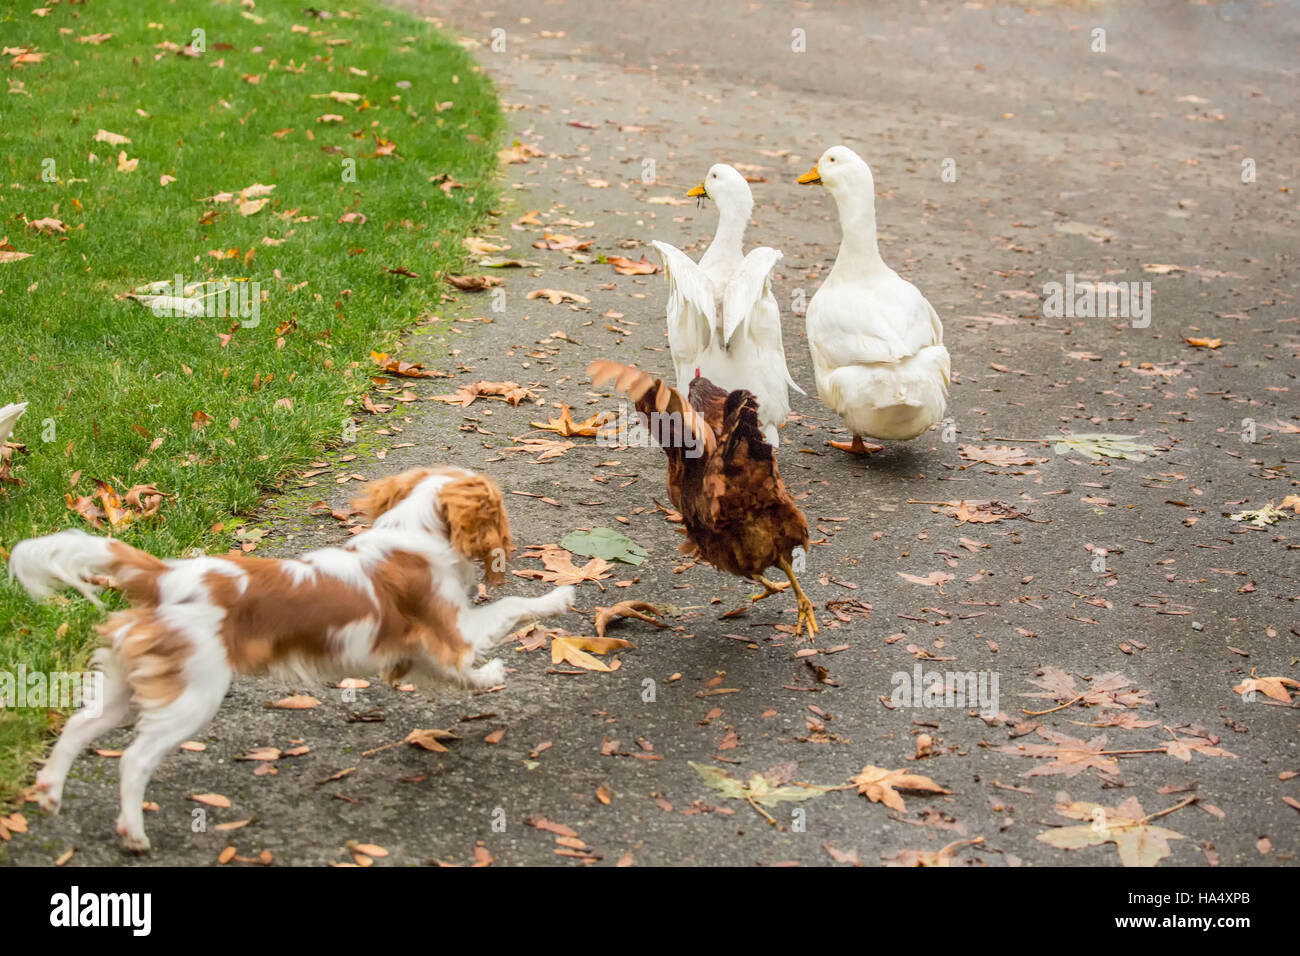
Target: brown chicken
722 477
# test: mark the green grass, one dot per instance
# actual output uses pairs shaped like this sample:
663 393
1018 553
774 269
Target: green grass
105 377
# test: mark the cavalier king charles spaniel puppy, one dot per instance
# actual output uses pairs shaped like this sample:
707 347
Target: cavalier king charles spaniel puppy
397 600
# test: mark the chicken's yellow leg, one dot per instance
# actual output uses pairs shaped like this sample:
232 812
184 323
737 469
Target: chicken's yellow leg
807 613
769 588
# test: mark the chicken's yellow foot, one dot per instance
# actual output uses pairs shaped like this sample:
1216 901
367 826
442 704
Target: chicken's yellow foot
769 588
807 613
857 446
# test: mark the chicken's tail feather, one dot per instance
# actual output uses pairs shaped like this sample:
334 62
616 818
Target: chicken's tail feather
652 395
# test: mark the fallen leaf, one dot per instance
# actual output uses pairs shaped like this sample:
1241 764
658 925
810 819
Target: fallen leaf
1139 843
633 267
574 648
556 296
641 610
881 786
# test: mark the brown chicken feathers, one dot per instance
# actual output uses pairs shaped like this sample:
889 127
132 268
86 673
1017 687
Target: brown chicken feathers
722 477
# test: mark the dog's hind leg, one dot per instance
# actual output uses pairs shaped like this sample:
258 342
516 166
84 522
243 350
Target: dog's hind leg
106 704
160 730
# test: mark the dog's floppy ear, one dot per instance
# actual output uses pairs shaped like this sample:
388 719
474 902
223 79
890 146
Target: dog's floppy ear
386 493
477 526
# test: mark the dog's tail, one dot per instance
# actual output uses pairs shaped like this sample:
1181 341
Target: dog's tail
78 560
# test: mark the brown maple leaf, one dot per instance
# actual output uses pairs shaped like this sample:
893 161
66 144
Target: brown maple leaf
632 267
881 786
1111 690
1124 719
545 448
430 739
975 512
517 153
556 296
574 649
510 392
398 367
1070 756
1184 747
559 242
1274 687
1127 826
560 568
1000 455
942 857
641 610
567 427
472 283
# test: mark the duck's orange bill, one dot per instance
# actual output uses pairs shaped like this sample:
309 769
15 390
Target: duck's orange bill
811 178
697 190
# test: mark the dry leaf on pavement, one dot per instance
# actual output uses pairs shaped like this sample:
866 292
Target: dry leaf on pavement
574 649
1139 843
881 786
642 610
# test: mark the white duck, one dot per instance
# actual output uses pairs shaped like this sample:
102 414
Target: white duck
876 343
723 320
9 416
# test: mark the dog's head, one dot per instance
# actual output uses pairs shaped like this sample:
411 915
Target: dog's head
468 505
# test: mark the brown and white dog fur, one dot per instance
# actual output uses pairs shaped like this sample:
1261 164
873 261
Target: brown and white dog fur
396 600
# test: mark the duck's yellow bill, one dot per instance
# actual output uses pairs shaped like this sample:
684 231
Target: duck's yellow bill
811 178
697 190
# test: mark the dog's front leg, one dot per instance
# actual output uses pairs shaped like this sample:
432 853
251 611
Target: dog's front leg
486 625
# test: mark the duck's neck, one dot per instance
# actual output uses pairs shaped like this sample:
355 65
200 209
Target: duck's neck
859 250
726 250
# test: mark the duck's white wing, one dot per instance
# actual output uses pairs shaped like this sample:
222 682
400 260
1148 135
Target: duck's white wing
882 323
936 327
746 288
692 309
9 416
748 305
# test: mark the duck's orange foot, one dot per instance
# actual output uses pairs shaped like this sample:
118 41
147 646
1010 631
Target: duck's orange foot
857 446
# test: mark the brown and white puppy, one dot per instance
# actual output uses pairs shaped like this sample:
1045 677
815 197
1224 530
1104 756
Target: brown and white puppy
397 599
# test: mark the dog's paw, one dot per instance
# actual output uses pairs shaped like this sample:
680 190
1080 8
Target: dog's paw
490 674
48 794
135 842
